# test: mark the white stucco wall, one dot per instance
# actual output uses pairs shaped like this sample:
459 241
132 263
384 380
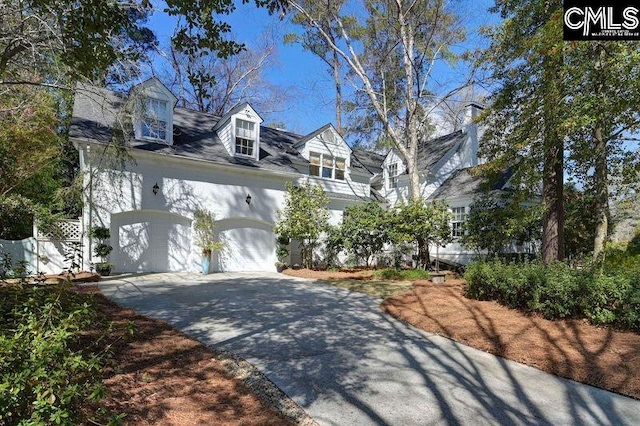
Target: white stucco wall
185 185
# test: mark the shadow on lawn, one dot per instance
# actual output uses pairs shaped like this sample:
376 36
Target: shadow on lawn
325 346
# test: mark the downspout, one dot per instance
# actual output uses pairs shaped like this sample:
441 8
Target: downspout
90 219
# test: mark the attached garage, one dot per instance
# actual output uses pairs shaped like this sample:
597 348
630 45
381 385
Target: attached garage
150 241
249 245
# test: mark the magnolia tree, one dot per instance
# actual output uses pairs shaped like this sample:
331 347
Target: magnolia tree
496 222
421 224
364 230
304 218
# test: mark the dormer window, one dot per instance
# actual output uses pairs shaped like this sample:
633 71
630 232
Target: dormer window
393 175
245 137
153 112
326 166
154 123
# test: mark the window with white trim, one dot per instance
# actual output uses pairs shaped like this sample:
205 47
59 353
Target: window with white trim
393 175
457 223
327 166
154 124
245 137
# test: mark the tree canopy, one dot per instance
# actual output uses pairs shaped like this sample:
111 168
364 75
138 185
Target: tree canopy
390 49
560 107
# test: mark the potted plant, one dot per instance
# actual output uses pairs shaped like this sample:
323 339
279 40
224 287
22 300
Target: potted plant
102 249
204 228
282 253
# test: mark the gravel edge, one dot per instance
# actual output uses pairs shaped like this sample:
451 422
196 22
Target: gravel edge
263 388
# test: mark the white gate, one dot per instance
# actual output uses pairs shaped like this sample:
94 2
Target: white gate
61 249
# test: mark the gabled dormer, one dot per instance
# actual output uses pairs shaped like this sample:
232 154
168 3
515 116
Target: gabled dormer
328 154
392 168
239 131
153 119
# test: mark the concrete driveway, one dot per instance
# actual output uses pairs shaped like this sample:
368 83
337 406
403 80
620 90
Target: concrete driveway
346 363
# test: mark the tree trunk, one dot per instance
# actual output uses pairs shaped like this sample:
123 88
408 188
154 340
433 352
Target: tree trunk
553 168
414 178
424 260
600 173
602 194
338 83
552 188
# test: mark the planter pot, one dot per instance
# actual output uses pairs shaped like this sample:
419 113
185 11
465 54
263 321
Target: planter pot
437 277
206 263
103 270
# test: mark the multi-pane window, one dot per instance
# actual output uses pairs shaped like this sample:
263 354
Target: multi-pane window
393 175
327 166
154 125
341 165
245 137
457 223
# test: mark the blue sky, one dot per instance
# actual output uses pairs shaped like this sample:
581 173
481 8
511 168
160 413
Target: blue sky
301 75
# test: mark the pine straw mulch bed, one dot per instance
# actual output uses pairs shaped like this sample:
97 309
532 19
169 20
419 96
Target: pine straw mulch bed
573 349
161 377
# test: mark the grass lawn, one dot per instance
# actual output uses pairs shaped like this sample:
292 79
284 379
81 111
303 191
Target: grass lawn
376 288
381 284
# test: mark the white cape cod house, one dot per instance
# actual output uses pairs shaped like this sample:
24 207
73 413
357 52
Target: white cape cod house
182 160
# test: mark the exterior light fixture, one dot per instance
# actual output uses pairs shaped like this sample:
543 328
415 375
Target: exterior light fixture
248 199
155 189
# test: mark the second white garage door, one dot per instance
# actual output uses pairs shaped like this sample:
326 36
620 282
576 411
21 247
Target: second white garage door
248 246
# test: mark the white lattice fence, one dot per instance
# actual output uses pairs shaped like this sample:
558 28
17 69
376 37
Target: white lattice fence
60 247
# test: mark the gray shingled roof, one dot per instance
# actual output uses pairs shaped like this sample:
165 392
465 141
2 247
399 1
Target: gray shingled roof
95 113
432 151
371 160
463 184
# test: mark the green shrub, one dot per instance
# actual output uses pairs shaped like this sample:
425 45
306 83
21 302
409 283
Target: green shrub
608 296
46 372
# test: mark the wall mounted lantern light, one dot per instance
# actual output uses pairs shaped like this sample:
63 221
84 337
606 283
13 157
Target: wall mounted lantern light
155 189
248 199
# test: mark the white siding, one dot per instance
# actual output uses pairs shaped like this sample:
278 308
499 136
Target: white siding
393 195
226 136
331 143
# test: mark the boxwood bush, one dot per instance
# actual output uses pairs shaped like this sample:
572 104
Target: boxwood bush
604 294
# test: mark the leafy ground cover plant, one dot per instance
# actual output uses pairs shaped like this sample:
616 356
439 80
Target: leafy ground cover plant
47 370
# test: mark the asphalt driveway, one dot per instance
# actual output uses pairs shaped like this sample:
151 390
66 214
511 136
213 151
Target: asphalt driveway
346 363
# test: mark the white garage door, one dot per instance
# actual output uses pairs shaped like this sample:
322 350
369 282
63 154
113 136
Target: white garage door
150 241
248 246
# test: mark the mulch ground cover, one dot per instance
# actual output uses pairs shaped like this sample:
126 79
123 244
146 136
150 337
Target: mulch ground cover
159 376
